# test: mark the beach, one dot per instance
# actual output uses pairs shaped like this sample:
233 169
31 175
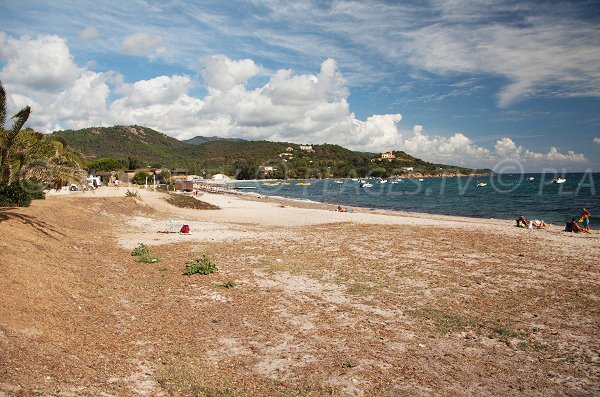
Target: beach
366 303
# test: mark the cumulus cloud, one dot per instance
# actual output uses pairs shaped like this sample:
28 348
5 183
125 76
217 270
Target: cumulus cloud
89 33
296 107
146 44
222 73
44 63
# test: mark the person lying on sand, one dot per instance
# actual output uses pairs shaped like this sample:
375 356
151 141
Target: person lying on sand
341 209
534 224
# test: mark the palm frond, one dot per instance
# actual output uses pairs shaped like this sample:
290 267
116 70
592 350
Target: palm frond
21 119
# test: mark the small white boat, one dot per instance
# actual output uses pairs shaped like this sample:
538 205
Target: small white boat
366 185
421 179
339 182
394 182
559 180
530 178
355 179
383 181
481 184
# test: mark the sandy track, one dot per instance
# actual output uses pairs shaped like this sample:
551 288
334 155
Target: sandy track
361 304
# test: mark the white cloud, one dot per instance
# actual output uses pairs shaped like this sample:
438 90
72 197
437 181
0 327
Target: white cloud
222 73
288 107
43 63
596 140
147 44
89 33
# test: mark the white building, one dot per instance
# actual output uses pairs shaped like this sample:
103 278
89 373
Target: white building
307 148
220 177
388 156
408 169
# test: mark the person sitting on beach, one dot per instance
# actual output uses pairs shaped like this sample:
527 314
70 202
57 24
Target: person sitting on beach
573 227
585 219
341 209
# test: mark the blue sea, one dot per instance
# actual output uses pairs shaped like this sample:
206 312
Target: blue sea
506 196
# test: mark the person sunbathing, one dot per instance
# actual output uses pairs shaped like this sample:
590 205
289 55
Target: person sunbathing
537 224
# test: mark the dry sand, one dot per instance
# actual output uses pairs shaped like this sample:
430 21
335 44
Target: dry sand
368 303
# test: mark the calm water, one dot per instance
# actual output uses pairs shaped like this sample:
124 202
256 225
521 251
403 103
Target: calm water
504 197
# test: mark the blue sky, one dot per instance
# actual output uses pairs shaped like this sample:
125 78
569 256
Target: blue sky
475 83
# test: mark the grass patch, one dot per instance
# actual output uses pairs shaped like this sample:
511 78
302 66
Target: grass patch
229 284
183 201
348 364
148 259
445 322
140 250
200 266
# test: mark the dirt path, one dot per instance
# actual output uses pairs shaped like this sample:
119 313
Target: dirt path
332 309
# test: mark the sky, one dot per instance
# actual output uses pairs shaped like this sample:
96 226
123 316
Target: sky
509 85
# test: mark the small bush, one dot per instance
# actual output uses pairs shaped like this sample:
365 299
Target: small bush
140 250
20 193
132 193
200 266
229 284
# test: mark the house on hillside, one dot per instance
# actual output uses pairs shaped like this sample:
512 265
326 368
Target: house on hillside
307 148
289 149
267 168
388 156
408 169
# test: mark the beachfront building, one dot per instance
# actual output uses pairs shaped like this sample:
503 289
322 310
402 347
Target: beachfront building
388 156
220 177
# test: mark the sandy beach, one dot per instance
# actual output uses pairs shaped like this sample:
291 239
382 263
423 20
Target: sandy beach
367 303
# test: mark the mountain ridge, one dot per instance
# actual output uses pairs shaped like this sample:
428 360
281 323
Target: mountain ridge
144 147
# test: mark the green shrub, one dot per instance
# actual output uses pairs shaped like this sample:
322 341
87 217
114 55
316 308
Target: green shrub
140 250
20 193
139 178
229 284
200 266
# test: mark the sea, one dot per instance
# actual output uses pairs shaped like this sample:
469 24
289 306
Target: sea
505 196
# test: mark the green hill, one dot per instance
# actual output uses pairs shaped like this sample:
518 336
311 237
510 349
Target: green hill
137 147
145 144
198 140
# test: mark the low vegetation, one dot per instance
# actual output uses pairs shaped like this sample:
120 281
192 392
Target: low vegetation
140 250
131 193
183 201
200 266
229 284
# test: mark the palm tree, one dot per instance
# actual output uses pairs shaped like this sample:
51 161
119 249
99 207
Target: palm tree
27 154
8 137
